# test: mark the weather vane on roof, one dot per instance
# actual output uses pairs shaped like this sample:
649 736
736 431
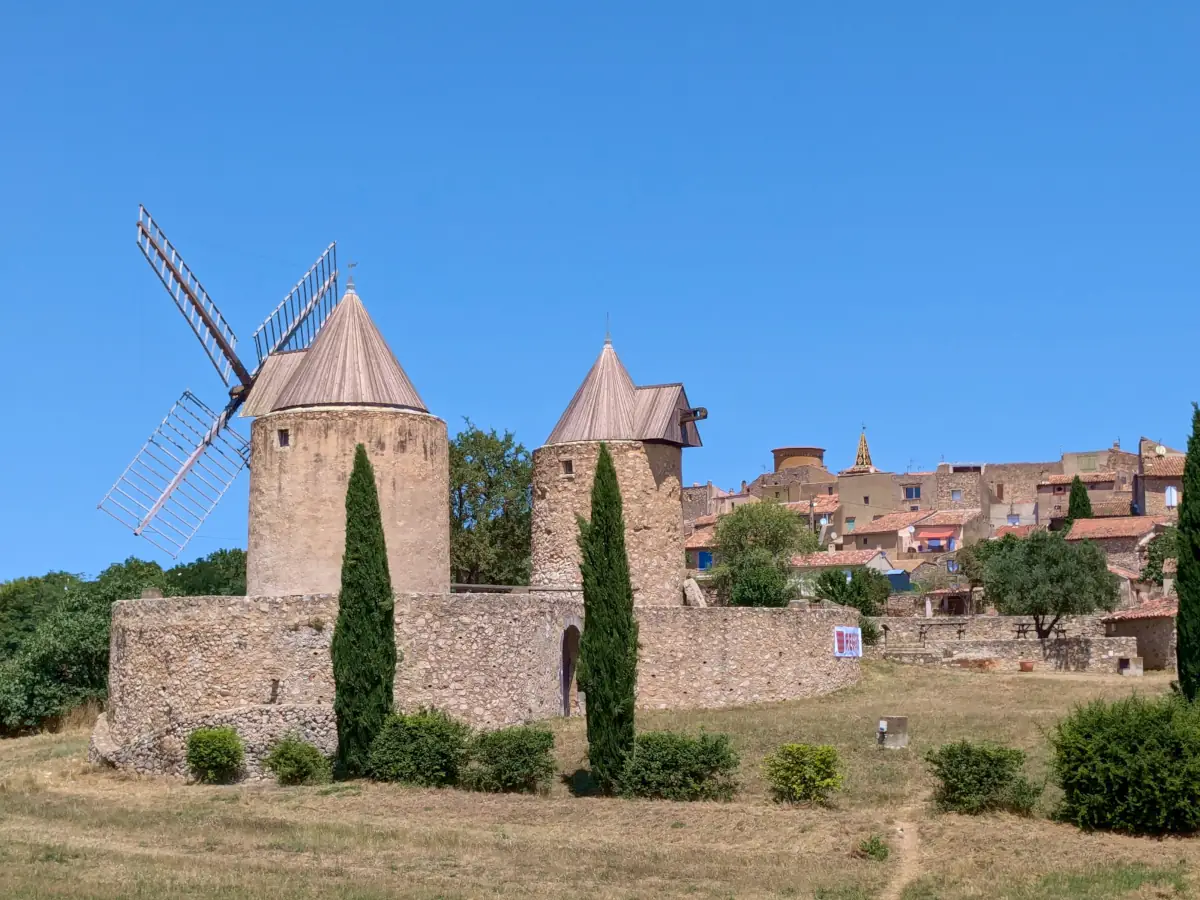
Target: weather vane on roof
350 277
607 328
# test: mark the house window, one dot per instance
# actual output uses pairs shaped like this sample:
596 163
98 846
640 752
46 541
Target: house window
866 501
824 520
568 467
850 524
1059 489
704 560
1014 520
955 496
829 490
864 542
914 509
953 545
999 491
285 439
912 492
951 565
1172 496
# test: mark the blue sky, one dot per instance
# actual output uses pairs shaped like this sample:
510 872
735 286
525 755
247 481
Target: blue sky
973 227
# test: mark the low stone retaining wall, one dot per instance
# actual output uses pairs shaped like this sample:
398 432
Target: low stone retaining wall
1072 654
908 630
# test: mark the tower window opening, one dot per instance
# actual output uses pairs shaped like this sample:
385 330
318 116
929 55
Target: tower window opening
568 467
285 439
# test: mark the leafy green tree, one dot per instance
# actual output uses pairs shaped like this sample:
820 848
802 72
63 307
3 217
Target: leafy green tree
364 638
607 671
865 590
1047 577
1162 547
220 574
744 535
758 580
1079 506
1187 621
24 602
491 503
64 662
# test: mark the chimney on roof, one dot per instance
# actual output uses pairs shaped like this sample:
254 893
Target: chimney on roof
743 485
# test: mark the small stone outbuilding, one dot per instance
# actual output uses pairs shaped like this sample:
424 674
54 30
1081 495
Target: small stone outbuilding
1153 624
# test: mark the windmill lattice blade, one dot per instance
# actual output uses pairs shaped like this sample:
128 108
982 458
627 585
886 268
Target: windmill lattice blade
178 476
193 301
295 322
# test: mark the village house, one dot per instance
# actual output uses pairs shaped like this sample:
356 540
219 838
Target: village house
808 568
820 510
893 532
1013 491
1123 539
949 529
1158 487
1054 494
697 546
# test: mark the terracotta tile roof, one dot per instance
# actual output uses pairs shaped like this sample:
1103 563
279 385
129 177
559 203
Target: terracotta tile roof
1020 531
700 539
825 504
890 522
911 565
836 558
1105 509
1116 527
1085 477
1165 466
700 521
951 517
1125 573
1151 609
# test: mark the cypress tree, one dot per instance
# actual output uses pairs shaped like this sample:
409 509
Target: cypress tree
364 639
607 671
1187 621
1078 506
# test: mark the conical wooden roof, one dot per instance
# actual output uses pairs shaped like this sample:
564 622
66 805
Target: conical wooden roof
604 406
349 364
609 407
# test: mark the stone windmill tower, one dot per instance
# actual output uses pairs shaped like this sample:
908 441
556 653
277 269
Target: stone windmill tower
646 429
313 408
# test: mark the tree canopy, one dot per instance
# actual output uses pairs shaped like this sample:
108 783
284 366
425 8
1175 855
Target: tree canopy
752 537
1162 547
865 590
1047 577
490 507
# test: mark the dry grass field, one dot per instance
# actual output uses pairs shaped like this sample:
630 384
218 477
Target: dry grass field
69 831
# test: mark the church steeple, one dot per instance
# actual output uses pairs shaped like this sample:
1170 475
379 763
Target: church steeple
863 458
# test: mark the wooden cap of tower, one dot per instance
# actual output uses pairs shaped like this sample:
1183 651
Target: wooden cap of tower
349 364
609 407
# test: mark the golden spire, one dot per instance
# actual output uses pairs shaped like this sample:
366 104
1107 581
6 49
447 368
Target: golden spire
863 459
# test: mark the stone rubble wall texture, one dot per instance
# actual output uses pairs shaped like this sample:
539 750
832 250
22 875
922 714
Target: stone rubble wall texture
298 497
970 483
262 665
904 631
1122 552
1155 640
1154 491
649 477
1073 654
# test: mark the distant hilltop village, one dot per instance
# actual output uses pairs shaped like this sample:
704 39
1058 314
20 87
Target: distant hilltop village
914 517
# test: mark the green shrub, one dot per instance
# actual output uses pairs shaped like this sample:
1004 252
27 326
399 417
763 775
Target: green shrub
870 631
425 748
873 848
978 777
517 759
294 761
1132 765
215 755
803 773
666 765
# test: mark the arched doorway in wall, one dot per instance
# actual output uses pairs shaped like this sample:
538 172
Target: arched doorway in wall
570 657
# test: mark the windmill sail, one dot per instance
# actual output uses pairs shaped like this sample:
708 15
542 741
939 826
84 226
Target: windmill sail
178 476
295 322
193 301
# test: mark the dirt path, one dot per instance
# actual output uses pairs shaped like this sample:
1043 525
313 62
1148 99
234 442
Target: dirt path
907 849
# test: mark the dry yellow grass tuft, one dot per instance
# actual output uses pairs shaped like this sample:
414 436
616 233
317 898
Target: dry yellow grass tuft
69 831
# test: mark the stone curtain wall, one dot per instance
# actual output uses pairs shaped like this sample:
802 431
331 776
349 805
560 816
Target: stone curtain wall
649 476
1121 552
298 497
733 656
263 666
1072 654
